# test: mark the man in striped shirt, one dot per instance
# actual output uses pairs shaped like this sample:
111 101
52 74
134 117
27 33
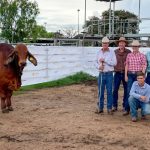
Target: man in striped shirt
135 62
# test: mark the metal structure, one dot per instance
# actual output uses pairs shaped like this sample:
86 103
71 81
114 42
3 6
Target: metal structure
111 13
78 20
120 26
111 21
85 14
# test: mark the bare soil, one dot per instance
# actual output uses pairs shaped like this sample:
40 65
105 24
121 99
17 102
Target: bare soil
64 118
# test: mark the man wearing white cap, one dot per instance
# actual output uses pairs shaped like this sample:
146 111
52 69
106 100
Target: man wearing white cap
135 63
105 62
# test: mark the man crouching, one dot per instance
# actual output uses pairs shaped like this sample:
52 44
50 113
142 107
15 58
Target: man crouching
139 97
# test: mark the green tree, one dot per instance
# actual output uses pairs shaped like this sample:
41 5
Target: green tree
92 25
124 22
39 31
17 19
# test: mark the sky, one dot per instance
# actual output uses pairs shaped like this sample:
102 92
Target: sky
56 15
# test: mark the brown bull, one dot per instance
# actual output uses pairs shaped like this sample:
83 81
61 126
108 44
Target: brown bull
12 63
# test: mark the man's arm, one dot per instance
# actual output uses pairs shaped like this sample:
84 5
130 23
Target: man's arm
126 72
126 69
148 95
133 93
144 62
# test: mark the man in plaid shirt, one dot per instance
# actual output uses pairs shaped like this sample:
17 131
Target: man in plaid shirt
135 62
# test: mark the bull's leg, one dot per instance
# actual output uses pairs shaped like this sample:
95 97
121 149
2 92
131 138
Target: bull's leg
8 101
3 105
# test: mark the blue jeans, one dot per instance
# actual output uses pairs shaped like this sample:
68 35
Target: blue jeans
134 105
148 78
105 79
131 79
146 109
118 77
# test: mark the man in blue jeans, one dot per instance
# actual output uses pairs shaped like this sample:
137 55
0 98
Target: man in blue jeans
119 75
135 62
139 97
105 62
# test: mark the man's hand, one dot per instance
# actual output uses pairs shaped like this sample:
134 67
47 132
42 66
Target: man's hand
101 60
143 98
126 78
101 67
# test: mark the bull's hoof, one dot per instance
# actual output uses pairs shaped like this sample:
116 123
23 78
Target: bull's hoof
10 108
5 110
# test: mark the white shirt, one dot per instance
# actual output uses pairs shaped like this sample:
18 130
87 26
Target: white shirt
109 60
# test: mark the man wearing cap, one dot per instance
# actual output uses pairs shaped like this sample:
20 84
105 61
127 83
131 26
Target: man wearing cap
135 63
121 54
105 62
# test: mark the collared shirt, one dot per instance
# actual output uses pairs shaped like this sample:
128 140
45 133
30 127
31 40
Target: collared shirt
121 58
148 61
138 91
109 60
136 61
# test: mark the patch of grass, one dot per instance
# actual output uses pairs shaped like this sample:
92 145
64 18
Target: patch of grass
73 79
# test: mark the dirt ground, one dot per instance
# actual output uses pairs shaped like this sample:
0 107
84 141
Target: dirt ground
64 118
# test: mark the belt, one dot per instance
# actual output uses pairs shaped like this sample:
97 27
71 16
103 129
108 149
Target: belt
120 71
134 72
107 72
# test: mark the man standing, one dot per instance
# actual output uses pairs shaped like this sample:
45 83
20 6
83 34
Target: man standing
148 68
139 97
121 54
105 62
135 62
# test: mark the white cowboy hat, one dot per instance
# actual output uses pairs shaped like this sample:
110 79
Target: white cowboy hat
105 40
135 43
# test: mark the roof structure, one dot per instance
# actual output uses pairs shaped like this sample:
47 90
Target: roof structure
108 0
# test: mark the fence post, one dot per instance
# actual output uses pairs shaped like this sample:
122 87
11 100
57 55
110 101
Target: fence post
47 63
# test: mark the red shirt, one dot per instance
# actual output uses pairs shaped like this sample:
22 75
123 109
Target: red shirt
136 61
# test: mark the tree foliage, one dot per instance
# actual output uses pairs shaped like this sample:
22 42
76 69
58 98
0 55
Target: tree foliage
92 25
124 22
39 31
17 19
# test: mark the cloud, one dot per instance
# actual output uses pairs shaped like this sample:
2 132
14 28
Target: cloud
64 12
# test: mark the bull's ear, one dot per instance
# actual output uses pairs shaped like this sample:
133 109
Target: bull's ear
10 57
32 59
